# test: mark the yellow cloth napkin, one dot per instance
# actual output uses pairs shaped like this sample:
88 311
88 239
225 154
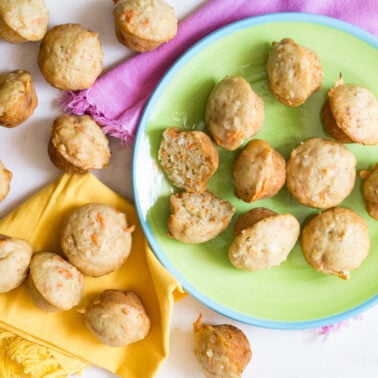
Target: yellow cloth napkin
39 220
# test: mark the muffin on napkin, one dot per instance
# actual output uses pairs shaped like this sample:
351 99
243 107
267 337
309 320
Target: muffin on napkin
39 221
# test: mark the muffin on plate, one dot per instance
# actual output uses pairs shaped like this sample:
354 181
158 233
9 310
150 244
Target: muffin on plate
370 191
78 144
350 114
258 171
23 20
96 238
118 318
18 98
198 217
222 350
5 179
143 25
294 72
320 173
336 241
15 256
70 57
234 112
263 239
54 284
189 158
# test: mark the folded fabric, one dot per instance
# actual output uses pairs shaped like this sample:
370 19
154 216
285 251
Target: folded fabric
36 342
118 97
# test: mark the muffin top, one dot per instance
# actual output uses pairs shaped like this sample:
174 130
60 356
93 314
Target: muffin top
56 280
294 72
258 171
96 239
234 112
28 19
80 141
263 241
5 178
15 256
355 110
320 173
70 57
147 19
336 241
17 97
117 318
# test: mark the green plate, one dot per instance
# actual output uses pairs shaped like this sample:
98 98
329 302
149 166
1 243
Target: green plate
293 295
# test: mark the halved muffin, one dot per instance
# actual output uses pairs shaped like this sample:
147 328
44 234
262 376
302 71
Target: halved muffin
189 158
198 217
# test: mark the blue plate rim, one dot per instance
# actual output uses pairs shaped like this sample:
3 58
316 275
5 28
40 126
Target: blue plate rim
199 46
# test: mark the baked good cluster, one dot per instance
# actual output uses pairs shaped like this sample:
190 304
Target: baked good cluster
320 172
96 238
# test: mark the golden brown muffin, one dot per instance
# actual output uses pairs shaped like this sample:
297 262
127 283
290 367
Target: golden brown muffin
78 144
96 239
70 57
23 20
263 239
15 256
118 318
350 114
189 158
5 179
258 171
54 284
143 25
294 72
234 112
198 217
336 242
320 173
370 191
18 98
222 350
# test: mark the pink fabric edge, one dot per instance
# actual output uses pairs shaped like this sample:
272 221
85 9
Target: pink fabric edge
78 103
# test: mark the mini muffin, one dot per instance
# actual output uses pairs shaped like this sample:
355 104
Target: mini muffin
234 112
143 25
222 350
320 173
78 144
23 20
198 217
189 158
54 284
118 318
70 57
294 72
5 179
258 171
96 239
370 191
350 114
15 256
18 98
336 242
263 239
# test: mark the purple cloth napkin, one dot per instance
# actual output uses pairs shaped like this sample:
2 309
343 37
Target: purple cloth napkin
117 98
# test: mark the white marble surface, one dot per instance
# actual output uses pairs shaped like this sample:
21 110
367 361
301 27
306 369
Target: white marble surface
350 352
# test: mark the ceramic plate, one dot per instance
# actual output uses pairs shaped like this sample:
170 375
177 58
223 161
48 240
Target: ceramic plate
293 295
